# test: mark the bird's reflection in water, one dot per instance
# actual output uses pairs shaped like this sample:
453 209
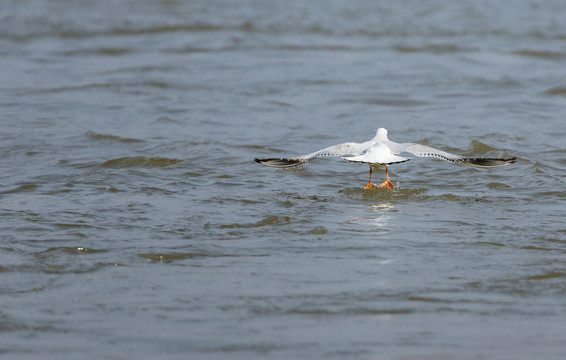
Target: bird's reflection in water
379 215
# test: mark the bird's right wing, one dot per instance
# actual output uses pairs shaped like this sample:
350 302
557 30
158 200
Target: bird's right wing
344 149
427 151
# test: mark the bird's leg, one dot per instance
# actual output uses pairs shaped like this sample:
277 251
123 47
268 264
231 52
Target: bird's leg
387 183
370 185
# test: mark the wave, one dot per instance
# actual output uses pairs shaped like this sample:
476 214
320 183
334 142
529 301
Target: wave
108 137
140 161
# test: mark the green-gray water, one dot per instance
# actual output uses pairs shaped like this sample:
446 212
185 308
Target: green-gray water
135 224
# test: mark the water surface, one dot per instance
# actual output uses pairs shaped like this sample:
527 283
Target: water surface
134 222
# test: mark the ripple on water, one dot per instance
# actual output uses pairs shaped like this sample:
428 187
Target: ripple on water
63 260
497 185
381 194
21 188
140 161
72 250
169 257
431 48
541 54
78 224
108 137
548 275
560 91
271 220
479 147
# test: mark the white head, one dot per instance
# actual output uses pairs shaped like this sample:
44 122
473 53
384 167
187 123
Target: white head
381 134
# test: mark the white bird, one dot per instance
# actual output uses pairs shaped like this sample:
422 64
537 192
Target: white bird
380 151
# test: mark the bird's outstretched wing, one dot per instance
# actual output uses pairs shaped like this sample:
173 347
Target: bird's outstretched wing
427 151
344 149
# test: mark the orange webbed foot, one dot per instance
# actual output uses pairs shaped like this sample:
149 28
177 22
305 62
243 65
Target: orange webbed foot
370 186
387 184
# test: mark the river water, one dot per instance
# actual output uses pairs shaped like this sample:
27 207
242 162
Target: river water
134 222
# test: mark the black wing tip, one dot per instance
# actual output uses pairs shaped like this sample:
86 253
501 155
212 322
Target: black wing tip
278 162
490 162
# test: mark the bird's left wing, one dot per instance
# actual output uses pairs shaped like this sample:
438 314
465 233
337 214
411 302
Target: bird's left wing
427 151
344 149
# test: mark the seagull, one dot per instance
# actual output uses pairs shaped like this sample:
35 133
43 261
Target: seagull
379 152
